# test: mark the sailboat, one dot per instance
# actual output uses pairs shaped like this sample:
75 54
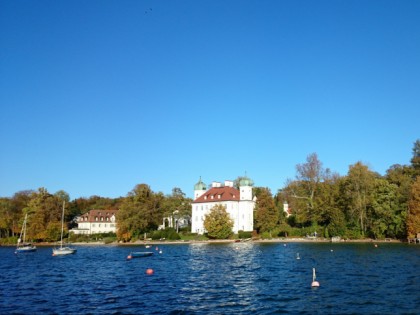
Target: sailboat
63 250
22 246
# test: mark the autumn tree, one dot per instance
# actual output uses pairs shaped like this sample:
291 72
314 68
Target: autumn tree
415 160
140 212
266 212
331 213
357 193
303 189
218 223
383 220
413 219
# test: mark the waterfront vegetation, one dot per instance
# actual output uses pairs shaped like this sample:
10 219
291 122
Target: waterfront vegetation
360 204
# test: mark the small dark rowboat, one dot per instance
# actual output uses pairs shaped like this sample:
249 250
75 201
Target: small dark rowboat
139 254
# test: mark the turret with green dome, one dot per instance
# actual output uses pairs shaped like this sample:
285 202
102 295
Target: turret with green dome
199 189
246 181
200 185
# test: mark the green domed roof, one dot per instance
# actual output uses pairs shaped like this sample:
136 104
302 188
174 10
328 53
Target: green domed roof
200 185
245 181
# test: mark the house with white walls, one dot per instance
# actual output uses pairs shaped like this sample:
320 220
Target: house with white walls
95 222
239 204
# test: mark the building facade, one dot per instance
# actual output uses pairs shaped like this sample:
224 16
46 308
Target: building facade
239 204
96 221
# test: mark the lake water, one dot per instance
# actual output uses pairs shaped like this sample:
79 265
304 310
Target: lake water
235 278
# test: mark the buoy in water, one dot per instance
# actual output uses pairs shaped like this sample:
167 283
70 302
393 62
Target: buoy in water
149 271
297 256
314 282
376 245
129 257
160 252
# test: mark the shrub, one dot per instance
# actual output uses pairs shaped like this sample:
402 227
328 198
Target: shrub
244 234
265 235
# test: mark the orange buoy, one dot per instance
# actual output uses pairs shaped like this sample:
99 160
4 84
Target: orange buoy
149 271
129 257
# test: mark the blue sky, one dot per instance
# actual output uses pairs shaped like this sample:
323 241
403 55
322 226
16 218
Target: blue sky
98 96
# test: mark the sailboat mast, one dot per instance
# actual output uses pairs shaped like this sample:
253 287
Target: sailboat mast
62 224
24 228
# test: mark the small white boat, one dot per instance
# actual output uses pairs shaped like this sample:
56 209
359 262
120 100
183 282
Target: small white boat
63 250
22 246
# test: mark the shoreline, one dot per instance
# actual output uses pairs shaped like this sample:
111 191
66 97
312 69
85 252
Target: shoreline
257 241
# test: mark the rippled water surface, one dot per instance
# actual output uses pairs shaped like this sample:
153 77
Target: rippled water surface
236 278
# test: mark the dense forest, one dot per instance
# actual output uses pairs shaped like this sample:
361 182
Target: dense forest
360 204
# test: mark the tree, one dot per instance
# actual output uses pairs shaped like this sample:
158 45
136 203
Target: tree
309 176
331 214
383 215
266 213
357 192
413 219
218 223
140 212
415 160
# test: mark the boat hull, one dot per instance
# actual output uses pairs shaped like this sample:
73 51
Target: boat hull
26 249
64 251
140 254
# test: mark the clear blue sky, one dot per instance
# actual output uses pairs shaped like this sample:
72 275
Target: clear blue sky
98 96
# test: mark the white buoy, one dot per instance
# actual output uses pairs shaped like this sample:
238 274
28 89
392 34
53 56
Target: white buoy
314 282
297 256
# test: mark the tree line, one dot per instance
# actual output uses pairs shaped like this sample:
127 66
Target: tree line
360 204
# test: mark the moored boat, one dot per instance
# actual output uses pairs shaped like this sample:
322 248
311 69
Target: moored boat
139 254
22 246
63 250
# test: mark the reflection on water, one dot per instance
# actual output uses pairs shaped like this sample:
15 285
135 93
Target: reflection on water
207 278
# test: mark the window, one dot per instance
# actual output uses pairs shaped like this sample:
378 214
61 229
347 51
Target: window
96 218
102 218
107 218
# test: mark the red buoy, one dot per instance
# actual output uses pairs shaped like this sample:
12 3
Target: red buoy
149 271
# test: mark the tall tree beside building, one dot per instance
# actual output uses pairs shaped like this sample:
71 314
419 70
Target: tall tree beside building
266 213
139 212
218 223
413 219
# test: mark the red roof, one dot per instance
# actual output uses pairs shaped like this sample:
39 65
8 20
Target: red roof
219 194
